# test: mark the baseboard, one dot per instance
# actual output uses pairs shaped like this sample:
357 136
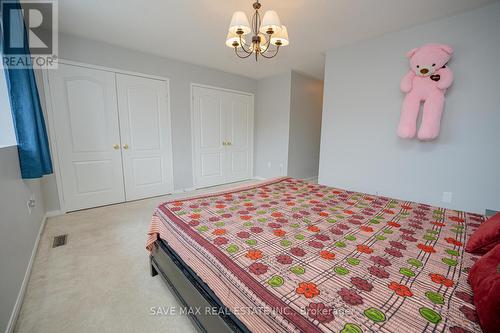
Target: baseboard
309 179
312 179
54 213
184 190
17 307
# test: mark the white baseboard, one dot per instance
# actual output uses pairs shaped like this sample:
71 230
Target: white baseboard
54 213
19 301
312 179
183 190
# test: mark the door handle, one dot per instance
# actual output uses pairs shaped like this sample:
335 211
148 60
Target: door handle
125 146
116 146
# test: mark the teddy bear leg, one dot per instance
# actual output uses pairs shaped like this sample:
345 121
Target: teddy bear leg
409 112
431 119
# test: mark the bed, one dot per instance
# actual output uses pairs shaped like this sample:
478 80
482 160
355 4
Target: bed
286 255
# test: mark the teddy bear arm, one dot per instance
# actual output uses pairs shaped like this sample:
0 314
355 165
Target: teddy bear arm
407 82
446 78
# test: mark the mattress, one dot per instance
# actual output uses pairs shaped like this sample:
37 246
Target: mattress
289 256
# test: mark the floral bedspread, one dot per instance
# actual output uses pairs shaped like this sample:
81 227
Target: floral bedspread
320 259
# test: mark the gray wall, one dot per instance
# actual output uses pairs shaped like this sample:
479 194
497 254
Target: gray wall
181 75
287 126
306 107
272 121
359 146
18 229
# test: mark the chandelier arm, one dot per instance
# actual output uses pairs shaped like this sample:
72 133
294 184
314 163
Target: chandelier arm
274 55
247 54
268 43
243 47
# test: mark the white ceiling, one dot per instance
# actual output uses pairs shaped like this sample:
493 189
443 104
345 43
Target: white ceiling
194 30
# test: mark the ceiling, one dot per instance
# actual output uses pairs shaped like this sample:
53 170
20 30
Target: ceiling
194 31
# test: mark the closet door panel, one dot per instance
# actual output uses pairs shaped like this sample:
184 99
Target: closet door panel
239 129
86 127
146 136
208 135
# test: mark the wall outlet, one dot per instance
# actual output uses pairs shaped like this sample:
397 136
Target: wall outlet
269 165
447 197
31 204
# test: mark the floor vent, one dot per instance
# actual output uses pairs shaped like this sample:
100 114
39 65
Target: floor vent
60 240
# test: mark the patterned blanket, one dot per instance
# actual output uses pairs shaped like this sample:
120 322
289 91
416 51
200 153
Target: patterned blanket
287 255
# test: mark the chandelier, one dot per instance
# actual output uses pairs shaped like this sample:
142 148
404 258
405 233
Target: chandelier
267 35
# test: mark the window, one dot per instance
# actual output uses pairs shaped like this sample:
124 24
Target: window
7 135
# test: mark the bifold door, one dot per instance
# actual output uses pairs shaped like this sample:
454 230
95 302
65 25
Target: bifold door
145 136
222 136
85 117
112 134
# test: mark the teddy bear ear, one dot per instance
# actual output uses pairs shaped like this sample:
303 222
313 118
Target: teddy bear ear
446 48
410 53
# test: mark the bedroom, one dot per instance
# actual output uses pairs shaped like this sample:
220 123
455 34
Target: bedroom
152 180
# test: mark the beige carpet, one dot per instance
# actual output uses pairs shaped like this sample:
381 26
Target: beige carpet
99 281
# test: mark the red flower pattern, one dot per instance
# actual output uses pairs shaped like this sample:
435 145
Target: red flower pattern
400 289
290 207
441 279
308 289
426 248
258 268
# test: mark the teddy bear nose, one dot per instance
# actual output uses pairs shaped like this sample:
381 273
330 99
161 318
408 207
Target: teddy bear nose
424 71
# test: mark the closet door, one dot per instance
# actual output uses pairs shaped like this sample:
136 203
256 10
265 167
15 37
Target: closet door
145 136
208 136
85 118
239 136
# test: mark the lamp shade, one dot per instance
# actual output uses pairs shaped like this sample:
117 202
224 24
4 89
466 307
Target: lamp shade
239 21
231 38
280 37
271 21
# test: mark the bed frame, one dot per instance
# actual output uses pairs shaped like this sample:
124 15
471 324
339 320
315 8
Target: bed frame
192 292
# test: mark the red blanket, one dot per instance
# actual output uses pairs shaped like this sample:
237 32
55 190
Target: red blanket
287 255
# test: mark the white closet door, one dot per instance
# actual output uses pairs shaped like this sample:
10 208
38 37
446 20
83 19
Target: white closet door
88 140
239 135
208 135
145 136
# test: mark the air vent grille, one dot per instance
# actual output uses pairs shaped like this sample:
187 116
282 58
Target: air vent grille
60 240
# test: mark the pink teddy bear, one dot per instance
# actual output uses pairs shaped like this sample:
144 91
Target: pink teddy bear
426 82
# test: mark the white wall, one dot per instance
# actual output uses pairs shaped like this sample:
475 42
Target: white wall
18 229
359 146
272 122
7 135
305 126
181 75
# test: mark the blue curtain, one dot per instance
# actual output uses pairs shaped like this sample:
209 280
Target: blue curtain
29 124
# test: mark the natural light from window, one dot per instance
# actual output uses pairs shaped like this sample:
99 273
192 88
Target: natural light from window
7 135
